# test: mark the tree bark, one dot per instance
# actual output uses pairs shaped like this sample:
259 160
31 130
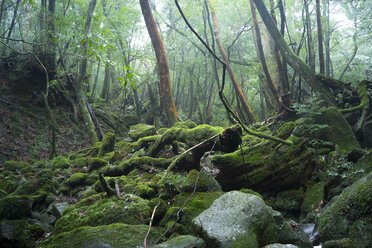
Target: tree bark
327 40
310 42
247 110
82 79
169 106
320 37
294 61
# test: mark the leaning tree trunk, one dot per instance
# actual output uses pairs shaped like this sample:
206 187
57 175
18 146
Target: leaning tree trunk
169 106
82 78
292 59
238 91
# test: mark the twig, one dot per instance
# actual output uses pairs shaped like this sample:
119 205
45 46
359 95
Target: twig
117 190
109 191
152 219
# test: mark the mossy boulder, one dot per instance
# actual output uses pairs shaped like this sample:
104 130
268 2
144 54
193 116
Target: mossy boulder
79 162
281 246
15 207
185 124
94 150
340 243
237 219
183 241
20 233
141 130
96 163
289 202
98 210
77 179
350 214
108 144
267 166
61 162
205 182
130 120
116 235
313 197
285 130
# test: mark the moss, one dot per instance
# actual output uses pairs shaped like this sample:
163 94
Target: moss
285 130
249 191
92 178
15 207
108 144
161 210
94 211
79 162
245 241
141 130
340 243
130 120
206 182
313 197
93 151
183 241
289 202
12 166
61 162
77 179
185 124
350 215
114 235
95 163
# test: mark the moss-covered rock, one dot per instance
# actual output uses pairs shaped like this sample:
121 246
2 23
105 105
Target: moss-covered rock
79 162
285 130
205 182
95 211
96 163
350 214
250 191
19 233
289 202
114 235
340 243
141 130
108 144
183 241
185 124
15 207
77 179
61 162
313 197
130 120
94 150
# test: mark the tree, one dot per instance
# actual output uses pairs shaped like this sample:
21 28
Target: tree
168 104
320 37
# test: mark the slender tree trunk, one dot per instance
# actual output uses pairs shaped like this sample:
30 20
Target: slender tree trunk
95 81
283 21
83 77
309 37
296 63
354 51
106 82
168 104
238 91
320 37
327 40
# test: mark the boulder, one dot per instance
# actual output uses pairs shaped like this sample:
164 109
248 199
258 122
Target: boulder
183 241
15 207
239 219
116 235
205 182
108 144
280 246
349 215
141 130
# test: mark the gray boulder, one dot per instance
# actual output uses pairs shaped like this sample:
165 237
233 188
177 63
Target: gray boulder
238 219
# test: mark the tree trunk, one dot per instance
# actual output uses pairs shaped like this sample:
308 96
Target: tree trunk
106 83
320 37
294 61
83 77
327 40
169 106
310 42
273 90
238 91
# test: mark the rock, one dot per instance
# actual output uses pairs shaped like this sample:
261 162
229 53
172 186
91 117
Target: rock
350 215
77 179
206 182
108 144
289 202
282 168
185 124
19 233
47 219
15 207
280 246
96 163
116 235
95 211
130 120
58 208
313 197
61 162
183 241
340 243
141 130
238 219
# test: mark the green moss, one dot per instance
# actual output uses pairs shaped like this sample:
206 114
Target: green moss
19 233
340 243
130 120
94 211
161 210
249 191
114 235
12 166
77 179
245 241
93 152
95 163
185 124
285 130
79 162
92 178
15 207
313 197
141 130
108 144
61 162
206 182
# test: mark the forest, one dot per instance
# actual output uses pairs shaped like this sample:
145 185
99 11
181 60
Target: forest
186 123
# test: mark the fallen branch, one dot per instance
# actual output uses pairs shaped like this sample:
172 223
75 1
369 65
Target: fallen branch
150 225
